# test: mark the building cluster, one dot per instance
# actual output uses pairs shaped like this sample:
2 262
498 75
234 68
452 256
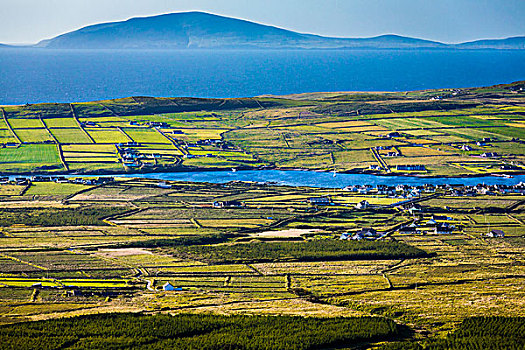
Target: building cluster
484 190
449 93
220 144
436 224
25 181
229 204
365 233
132 157
401 191
409 192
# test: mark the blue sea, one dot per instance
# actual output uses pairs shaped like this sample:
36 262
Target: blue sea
32 75
313 178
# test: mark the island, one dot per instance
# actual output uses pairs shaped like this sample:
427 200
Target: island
432 133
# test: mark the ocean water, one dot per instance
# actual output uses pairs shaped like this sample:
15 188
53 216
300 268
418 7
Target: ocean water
31 76
315 179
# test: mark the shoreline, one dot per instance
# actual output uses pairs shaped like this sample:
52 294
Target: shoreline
183 169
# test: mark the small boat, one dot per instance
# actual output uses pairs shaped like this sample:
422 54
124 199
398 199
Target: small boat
234 170
335 173
507 176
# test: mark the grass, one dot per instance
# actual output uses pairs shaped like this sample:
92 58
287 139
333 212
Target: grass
33 135
90 148
145 136
61 122
10 190
29 157
54 189
152 237
25 123
70 135
106 135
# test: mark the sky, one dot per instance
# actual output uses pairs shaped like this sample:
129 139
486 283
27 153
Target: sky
449 21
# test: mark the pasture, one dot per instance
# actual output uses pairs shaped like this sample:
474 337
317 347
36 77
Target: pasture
314 133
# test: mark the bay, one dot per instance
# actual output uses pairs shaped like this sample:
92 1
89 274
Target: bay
41 75
313 178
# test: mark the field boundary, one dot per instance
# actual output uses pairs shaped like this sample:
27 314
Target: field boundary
79 123
61 155
9 126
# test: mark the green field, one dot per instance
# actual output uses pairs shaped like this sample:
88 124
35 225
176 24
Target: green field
70 135
73 250
29 157
107 135
33 135
66 122
317 132
249 265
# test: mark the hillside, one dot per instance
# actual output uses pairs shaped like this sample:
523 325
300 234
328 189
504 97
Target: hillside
197 30
431 132
509 43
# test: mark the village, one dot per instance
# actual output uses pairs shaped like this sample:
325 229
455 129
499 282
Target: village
78 244
409 201
105 206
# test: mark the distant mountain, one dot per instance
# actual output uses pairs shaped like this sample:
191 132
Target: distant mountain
198 30
509 43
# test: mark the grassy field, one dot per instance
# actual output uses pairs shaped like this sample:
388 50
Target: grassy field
318 132
71 250
29 157
129 245
70 135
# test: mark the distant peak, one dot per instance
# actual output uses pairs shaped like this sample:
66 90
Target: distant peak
203 30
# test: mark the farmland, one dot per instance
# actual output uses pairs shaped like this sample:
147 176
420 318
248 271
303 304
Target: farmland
459 132
121 261
185 249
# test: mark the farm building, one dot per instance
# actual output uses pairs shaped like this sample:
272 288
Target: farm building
163 184
443 229
393 134
496 234
228 204
319 200
364 233
489 154
362 205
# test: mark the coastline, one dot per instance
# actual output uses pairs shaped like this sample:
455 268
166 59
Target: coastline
186 169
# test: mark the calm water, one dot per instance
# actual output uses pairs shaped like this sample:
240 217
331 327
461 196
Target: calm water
317 179
32 76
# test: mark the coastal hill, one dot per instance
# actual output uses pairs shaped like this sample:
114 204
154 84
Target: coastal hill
198 30
509 43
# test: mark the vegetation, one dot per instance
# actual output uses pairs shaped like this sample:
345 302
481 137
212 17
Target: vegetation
437 129
477 333
56 217
324 250
179 241
72 249
186 331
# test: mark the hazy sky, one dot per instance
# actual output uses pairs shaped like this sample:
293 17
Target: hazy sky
28 21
